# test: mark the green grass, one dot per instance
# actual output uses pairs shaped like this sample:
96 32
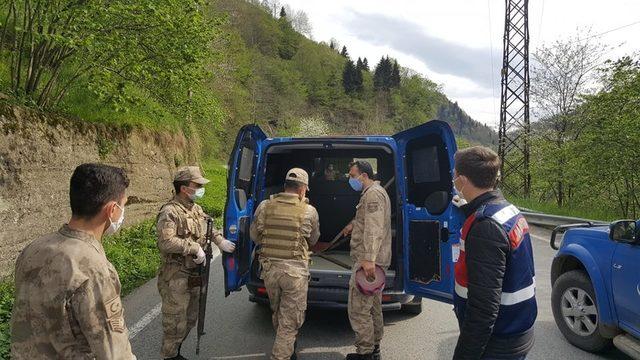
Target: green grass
216 191
6 304
145 112
132 251
590 213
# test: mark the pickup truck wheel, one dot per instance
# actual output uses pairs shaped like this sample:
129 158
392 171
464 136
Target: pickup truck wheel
413 307
575 310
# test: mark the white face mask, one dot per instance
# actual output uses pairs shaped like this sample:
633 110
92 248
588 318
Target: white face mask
115 226
459 191
197 194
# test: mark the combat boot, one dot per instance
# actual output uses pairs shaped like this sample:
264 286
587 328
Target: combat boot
376 353
354 356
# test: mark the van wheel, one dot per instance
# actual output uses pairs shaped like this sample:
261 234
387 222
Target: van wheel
413 307
575 311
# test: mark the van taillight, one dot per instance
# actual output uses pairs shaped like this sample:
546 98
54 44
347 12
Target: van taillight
262 291
386 298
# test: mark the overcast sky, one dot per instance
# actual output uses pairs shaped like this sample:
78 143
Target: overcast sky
458 43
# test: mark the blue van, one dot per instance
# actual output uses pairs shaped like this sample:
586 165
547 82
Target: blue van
416 168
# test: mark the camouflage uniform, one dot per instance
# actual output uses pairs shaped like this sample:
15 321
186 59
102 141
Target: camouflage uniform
67 303
181 227
293 226
370 241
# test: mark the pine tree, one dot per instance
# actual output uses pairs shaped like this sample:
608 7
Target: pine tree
344 52
358 80
382 75
395 76
365 64
349 77
359 64
283 13
332 45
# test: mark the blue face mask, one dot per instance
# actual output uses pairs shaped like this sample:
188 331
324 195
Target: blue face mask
355 184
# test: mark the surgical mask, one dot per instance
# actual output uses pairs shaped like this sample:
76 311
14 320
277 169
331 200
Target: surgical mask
197 194
355 184
115 226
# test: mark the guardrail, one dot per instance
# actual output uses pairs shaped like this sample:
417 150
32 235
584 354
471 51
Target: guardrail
540 219
560 224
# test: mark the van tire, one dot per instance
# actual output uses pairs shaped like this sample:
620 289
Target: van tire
413 307
577 281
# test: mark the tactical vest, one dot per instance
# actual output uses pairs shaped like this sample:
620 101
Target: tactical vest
282 234
518 309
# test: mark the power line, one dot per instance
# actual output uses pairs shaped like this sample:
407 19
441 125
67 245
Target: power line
610 31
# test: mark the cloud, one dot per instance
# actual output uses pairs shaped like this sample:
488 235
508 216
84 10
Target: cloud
440 56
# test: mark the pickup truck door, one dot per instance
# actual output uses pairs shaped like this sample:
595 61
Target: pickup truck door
241 186
430 226
625 274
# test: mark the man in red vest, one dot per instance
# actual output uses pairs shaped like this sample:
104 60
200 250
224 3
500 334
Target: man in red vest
494 295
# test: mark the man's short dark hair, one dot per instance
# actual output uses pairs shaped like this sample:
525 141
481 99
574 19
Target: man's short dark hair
292 185
178 184
480 165
364 167
94 185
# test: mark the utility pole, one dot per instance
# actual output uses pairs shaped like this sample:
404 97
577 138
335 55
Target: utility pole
514 141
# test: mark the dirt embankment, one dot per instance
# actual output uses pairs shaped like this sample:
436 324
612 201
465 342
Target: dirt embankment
38 153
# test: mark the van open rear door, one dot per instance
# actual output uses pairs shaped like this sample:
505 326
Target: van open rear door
241 202
429 224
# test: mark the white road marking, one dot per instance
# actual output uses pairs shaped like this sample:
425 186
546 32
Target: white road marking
155 311
146 319
248 356
538 237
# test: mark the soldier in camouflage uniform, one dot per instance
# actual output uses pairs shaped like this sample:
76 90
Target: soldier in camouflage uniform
67 299
370 246
285 227
181 227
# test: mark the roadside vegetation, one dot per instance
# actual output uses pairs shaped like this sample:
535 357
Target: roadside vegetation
584 144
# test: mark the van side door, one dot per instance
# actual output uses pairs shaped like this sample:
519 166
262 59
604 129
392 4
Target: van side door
430 225
240 205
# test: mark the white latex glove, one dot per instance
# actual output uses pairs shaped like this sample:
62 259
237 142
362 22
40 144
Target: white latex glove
227 246
458 201
200 256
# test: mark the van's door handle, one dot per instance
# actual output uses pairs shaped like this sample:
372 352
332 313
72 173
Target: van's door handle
617 266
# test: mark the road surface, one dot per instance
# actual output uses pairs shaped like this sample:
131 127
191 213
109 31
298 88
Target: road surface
238 329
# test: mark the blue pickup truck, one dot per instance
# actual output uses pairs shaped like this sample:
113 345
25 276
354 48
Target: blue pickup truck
415 167
596 285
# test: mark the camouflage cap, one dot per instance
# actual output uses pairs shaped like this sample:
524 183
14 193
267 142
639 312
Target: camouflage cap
298 175
190 173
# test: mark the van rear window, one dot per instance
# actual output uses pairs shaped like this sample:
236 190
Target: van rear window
425 165
246 164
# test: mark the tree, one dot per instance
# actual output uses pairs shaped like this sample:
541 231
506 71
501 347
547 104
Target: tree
562 73
53 44
289 39
334 44
283 13
349 81
359 64
344 52
394 80
383 74
605 155
301 23
365 64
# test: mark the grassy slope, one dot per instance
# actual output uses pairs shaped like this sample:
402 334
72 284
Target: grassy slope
133 251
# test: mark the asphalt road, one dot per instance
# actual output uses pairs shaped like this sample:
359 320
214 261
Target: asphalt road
238 329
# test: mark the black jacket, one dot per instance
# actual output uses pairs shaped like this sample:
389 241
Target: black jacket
486 259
